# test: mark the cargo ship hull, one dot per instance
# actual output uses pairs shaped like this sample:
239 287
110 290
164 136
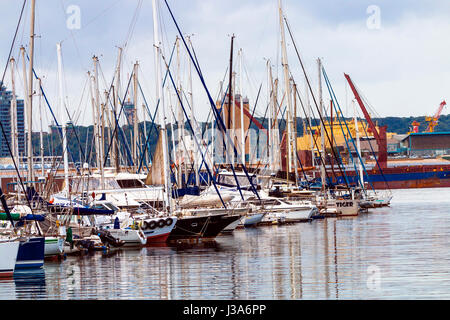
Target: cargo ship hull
403 177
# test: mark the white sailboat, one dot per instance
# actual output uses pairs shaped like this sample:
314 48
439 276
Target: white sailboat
8 254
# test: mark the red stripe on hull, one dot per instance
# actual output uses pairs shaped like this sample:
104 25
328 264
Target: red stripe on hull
6 274
158 239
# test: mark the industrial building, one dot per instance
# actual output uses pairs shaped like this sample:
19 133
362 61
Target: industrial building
427 143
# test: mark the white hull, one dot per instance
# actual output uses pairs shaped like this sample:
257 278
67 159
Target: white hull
129 236
158 229
8 256
297 215
253 219
342 208
53 246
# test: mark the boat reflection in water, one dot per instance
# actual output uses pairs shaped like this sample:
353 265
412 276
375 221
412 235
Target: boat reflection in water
30 283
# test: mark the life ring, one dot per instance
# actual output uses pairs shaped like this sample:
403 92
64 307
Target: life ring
169 221
161 223
152 224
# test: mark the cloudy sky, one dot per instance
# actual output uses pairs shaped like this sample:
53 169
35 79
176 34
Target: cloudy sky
395 51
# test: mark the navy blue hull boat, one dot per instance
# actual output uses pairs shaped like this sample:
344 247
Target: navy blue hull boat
31 253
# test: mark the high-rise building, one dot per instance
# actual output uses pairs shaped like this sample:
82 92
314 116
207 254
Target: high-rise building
5 118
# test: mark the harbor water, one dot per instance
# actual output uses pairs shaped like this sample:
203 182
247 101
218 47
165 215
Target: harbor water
398 252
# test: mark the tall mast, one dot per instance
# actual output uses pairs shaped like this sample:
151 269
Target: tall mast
233 117
99 114
160 96
180 121
242 109
94 117
135 118
41 134
194 126
30 95
145 133
294 146
275 128
230 96
62 108
269 101
115 141
322 129
284 62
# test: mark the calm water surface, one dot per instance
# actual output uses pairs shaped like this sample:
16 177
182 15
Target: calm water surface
401 252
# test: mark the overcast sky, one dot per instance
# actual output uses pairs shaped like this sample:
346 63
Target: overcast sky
400 61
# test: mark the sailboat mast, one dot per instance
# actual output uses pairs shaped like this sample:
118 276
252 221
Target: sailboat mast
160 96
62 108
230 96
284 62
269 101
294 146
41 134
242 109
115 146
99 114
194 127
135 118
30 95
180 121
322 129
94 117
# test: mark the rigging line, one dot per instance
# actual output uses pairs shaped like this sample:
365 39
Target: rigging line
79 105
311 133
195 138
220 122
336 105
312 94
154 116
133 24
13 41
342 129
296 152
218 97
376 160
54 117
117 117
221 108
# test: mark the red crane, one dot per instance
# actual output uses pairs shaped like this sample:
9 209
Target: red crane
380 136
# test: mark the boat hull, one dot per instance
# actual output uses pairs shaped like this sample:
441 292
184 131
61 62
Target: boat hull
200 227
130 237
404 177
31 253
8 254
53 246
297 215
230 228
158 229
253 219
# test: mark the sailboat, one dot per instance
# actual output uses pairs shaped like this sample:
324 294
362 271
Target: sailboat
8 253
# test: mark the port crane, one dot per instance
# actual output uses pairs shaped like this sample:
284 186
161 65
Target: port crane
433 121
380 134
